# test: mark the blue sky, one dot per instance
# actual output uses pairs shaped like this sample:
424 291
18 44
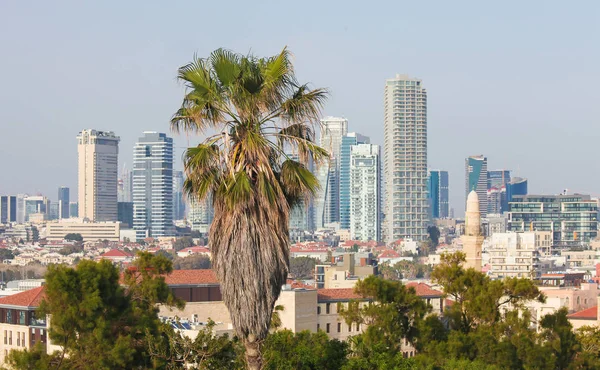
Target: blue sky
516 81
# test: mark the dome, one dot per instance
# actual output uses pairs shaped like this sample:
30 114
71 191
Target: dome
473 202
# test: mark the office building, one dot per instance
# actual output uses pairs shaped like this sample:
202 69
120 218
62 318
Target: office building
498 178
125 213
516 186
476 178
178 196
63 202
200 214
322 174
365 192
496 199
73 209
90 231
8 209
405 159
437 190
125 185
98 153
153 186
53 211
37 204
348 141
473 238
572 219
516 255
333 129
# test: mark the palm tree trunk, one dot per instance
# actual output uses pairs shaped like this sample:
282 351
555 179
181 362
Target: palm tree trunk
253 355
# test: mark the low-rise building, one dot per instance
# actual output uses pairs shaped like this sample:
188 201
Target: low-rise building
90 231
515 254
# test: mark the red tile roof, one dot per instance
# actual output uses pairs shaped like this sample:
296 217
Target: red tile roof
342 294
298 284
191 277
116 253
197 249
390 253
588 314
424 290
28 298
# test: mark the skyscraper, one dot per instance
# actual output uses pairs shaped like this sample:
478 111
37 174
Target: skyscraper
178 199
125 185
8 209
497 178
516 186
333 129
153 186
405 159
200 214
476 178
365 192
63 202
437 190
497 199
74 209
98 173
348 141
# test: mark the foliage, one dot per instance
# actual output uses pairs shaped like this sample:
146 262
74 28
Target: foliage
6 254
182 243
73 237
303 267
35 358
70 249
405 270
259 113
284 350
434 236
192 262
35 234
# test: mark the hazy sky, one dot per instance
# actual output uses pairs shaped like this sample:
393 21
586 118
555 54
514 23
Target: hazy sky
517 81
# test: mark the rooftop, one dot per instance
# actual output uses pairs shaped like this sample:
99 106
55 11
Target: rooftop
28 298
191 277
341 294
587 314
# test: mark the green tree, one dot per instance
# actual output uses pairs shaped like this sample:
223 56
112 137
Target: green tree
182 243
560 338
284 350
192 262
303 267
259 114
69 249
434 236
35 234
73 237
6 254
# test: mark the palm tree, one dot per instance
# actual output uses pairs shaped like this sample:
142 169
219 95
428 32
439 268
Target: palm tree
253 164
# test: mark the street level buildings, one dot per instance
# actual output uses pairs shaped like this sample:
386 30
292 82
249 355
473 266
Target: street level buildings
98 153
153 186
405 159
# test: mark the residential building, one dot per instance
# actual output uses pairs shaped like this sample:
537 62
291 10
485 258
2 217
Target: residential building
405 159
585 260
125 213
472 239
90 231
153 186
63 202
516 186
496 223
365 192
348 141
333 129
200 214
20 326
178 197
573 219
515 254
476 178
437 191
98 153
8 209
345 270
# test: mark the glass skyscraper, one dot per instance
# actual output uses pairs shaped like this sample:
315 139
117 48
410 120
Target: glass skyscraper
516 186
348 141
405 159
476 178
153 186
178 197
437 189
63 202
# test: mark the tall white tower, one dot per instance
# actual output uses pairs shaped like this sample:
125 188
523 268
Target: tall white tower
472 240
405 159
98 170
365 192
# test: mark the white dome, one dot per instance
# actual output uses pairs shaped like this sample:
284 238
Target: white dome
472 202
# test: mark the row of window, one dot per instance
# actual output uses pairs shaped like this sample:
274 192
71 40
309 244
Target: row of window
8 338
339 327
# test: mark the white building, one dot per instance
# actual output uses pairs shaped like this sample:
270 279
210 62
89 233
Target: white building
90 231
98 169
365 192
405 159
153 186
200 214
515 254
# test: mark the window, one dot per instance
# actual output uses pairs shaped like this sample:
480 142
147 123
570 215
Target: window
5 337
10 338
18 339
327 308
9 316
357 327
318 310
327 328
350 328
339 327
23 339
22 317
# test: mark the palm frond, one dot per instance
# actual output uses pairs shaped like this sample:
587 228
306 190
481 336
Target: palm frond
305 105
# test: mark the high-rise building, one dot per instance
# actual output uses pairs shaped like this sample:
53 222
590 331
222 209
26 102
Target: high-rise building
476 178
497 199
333 129
365 192
63 202
126 213
437 190
98 173
125 185
74 209
8 209
153 186
37 204
516 186
322 175
200 214
572 219
53 211
405 159
348 141
498 178
178 198
517 255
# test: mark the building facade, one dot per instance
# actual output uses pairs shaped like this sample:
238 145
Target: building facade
153 186
365 192
437 191
90 231
63 202
98 153
178 197
516 186
348 141
200 214
515 254
8 209
572 219
405 159
476 178
126 214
